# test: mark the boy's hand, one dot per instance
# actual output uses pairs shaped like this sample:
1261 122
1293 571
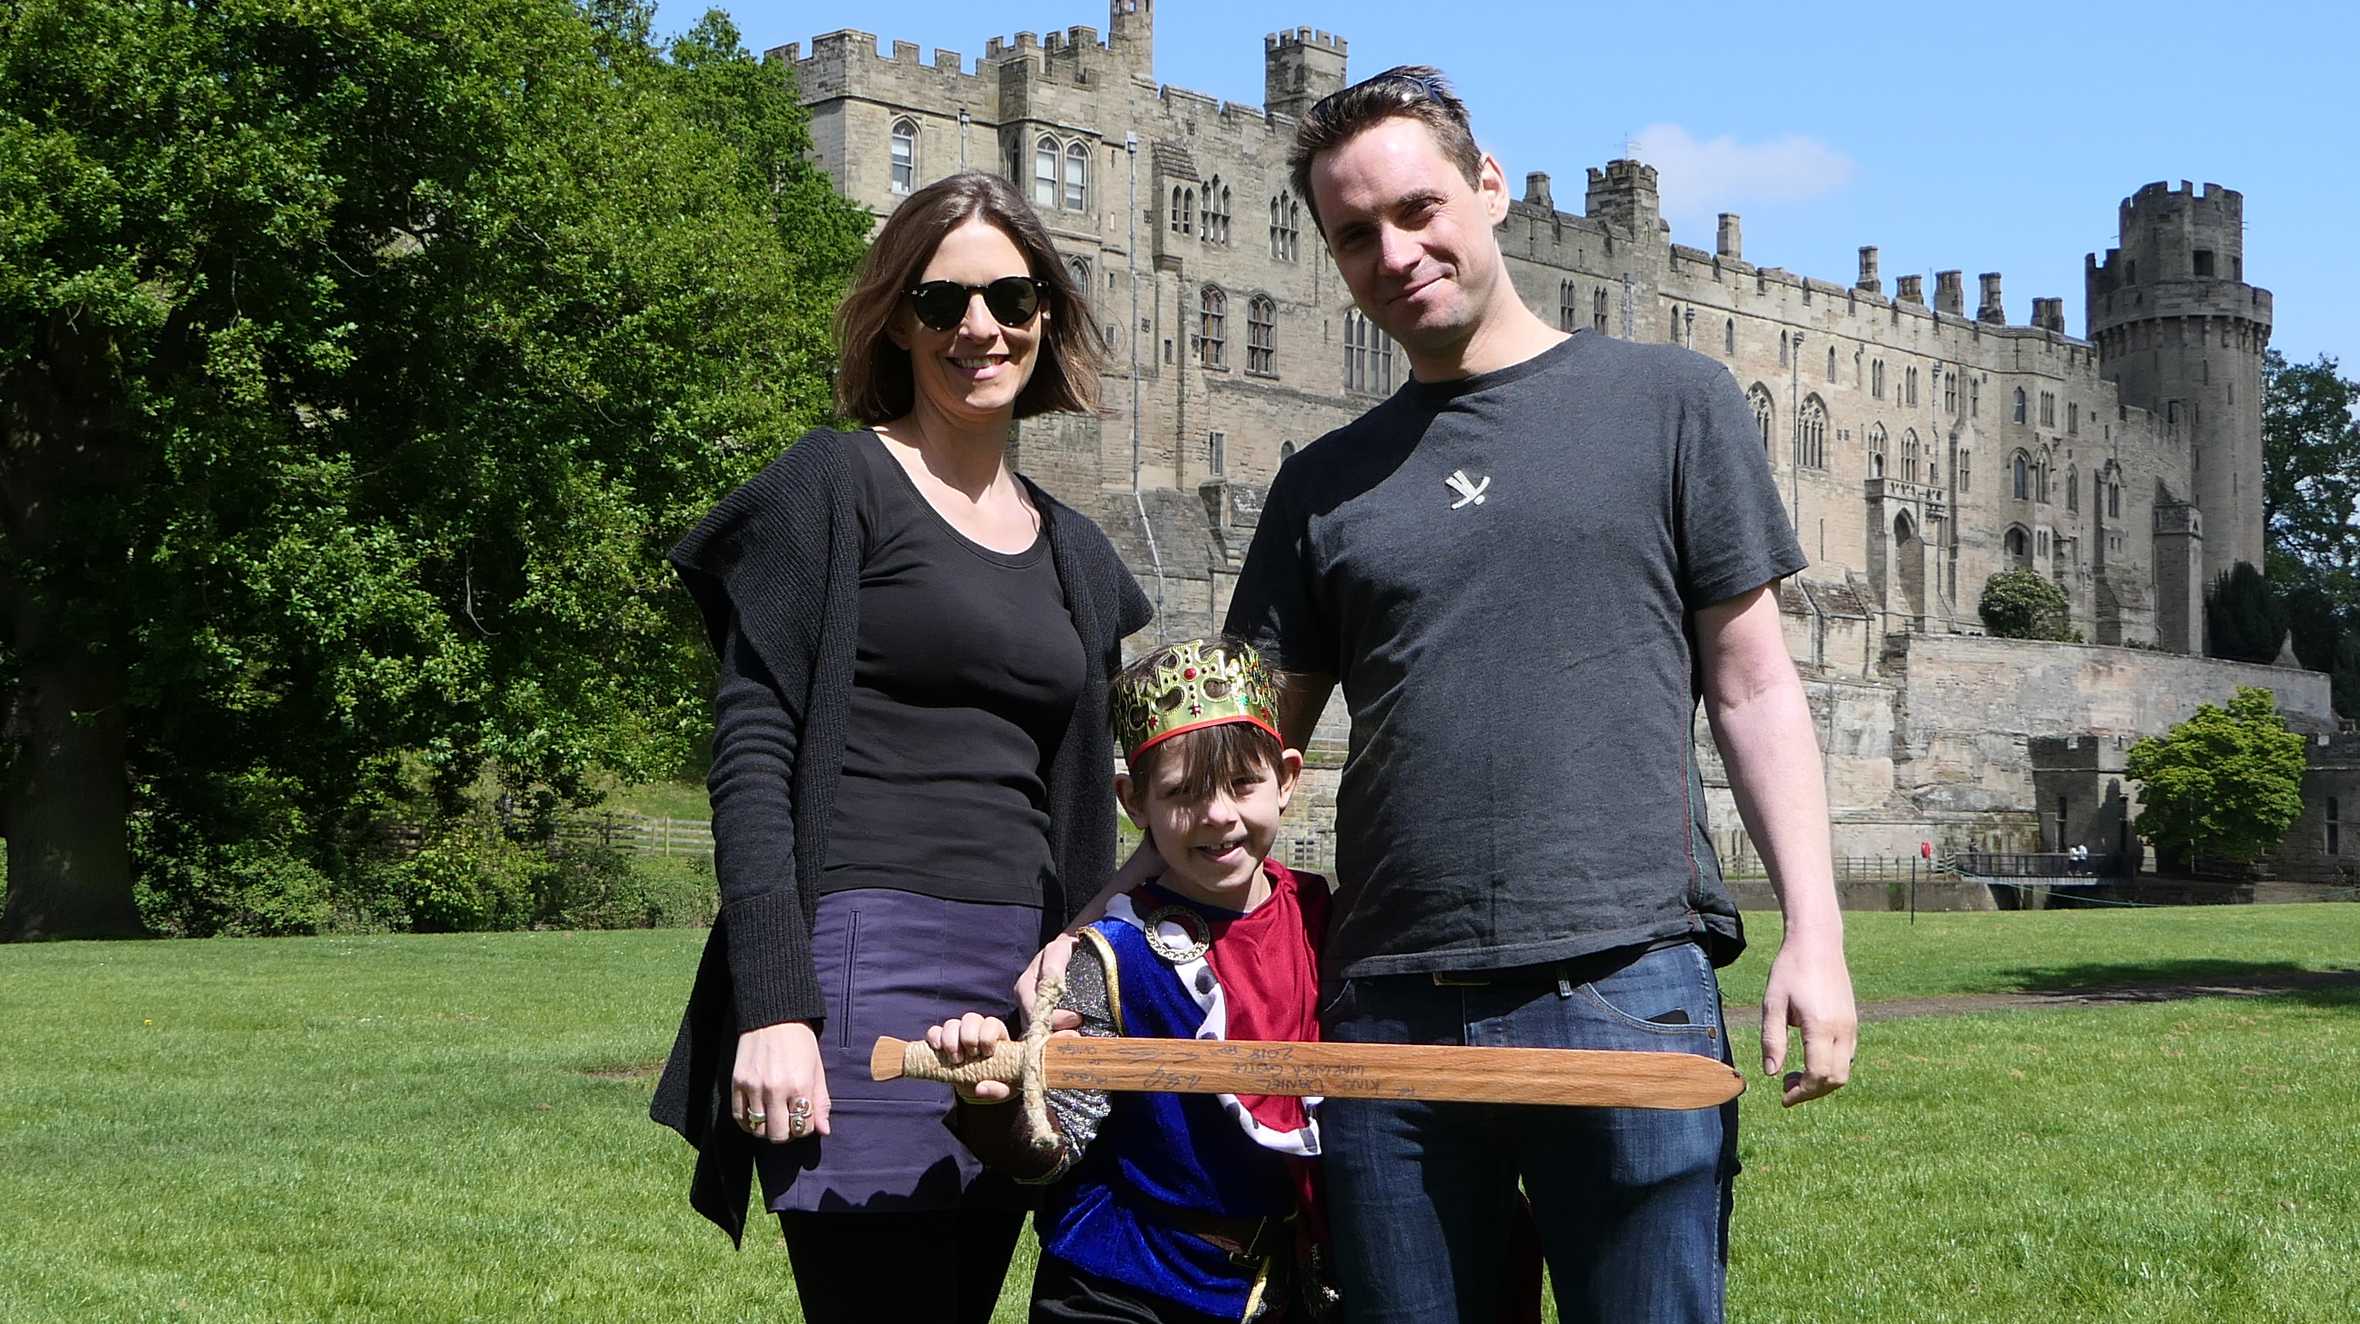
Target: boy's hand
967 1039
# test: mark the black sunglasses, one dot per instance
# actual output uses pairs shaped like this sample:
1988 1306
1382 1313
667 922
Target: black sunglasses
1011 300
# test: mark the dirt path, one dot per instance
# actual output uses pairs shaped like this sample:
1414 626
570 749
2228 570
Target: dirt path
1961 1004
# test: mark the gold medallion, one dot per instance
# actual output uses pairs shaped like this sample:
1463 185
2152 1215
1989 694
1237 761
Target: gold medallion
1200 934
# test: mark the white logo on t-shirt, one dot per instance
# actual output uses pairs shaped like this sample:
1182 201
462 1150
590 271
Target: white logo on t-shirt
1469 490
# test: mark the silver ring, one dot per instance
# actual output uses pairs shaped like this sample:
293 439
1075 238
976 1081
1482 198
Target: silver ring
753 1118
799 1110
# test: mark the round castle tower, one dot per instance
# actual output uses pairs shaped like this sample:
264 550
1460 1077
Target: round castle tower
2181 335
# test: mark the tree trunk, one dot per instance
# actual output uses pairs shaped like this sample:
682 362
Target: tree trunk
66 469
66 799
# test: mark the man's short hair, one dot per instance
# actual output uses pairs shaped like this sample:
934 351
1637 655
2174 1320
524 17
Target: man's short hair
1408 91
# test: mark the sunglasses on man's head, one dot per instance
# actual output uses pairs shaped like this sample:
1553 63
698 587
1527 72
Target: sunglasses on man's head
1011 300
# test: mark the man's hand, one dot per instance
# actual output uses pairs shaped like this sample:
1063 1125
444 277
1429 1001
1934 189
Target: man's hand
1050 961
1810 990
1047 963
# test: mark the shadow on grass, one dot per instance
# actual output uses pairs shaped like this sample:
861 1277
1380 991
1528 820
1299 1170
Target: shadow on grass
2169 980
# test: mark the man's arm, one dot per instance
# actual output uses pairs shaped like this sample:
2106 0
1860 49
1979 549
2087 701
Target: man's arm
1302 697
1762 724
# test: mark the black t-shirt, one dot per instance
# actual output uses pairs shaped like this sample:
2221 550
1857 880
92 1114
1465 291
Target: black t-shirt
1499 572
966 670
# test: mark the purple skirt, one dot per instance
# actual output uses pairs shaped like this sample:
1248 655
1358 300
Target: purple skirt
893 963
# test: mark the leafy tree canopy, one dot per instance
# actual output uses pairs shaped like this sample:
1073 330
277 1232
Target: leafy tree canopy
2226 783
2025 604
359 359
2311 461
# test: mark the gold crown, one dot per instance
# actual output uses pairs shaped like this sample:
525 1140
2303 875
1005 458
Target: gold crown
1198 683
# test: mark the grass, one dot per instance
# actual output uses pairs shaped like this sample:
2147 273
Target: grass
432 1128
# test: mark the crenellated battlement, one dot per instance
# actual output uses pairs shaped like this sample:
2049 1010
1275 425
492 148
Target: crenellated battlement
1304 37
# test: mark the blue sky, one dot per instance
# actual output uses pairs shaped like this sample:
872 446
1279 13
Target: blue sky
1993 137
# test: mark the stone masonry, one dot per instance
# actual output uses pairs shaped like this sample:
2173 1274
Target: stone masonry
1920 446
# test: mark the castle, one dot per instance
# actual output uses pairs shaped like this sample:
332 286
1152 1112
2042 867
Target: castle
1920 448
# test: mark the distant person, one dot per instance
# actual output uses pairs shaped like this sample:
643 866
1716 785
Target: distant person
909 759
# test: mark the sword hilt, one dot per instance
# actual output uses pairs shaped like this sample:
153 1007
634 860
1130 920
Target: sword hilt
894 1059
1014 1062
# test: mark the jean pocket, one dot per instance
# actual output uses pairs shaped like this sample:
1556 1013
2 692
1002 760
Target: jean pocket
1667 994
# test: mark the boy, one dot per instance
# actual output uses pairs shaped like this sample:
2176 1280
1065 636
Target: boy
1181 1207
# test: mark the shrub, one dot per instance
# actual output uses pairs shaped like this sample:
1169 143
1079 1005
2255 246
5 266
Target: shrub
2024 604
611 889
247 889
469 877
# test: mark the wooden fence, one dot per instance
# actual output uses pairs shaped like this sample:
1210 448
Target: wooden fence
638 833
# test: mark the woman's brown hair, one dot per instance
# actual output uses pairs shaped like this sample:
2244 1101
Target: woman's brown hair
873 382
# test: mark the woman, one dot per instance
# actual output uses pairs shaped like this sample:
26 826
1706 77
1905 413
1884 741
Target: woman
909 760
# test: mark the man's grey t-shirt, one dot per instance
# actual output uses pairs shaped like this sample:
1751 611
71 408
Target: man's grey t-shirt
1500 573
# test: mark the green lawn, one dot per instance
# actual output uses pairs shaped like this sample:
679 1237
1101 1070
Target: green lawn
430 1128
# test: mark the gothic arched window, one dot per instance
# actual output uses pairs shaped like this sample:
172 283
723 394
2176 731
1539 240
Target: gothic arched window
1077 177
1765 413
1045 157
1286 227
1811 434
1212 341
2020 468
1261 334
1876 450
1368 356
905 156
1909 455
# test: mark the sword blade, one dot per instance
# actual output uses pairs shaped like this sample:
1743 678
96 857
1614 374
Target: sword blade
1557 1077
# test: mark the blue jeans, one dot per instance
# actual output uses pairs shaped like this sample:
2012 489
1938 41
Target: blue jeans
1632 1205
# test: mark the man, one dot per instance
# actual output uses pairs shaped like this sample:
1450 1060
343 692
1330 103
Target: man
1525 569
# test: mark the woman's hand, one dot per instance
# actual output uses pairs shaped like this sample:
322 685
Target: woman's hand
970 1038
778 1090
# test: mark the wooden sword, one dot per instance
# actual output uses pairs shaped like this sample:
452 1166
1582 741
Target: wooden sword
1557 1077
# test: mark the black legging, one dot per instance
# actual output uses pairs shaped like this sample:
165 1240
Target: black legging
854 1268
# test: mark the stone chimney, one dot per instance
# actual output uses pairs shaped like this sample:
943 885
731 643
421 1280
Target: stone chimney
1536 190
2049 315
1950 293
1910 289
1730 241
1992 309
1869 282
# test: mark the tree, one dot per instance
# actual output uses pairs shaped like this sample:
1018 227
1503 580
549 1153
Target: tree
2311 462
2244 618
359 358
2226 783
2311 484
2025 604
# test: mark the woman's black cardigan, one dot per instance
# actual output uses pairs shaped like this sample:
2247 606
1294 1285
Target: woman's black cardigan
778 563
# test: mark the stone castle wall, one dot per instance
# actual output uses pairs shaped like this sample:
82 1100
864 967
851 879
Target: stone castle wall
1902 479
